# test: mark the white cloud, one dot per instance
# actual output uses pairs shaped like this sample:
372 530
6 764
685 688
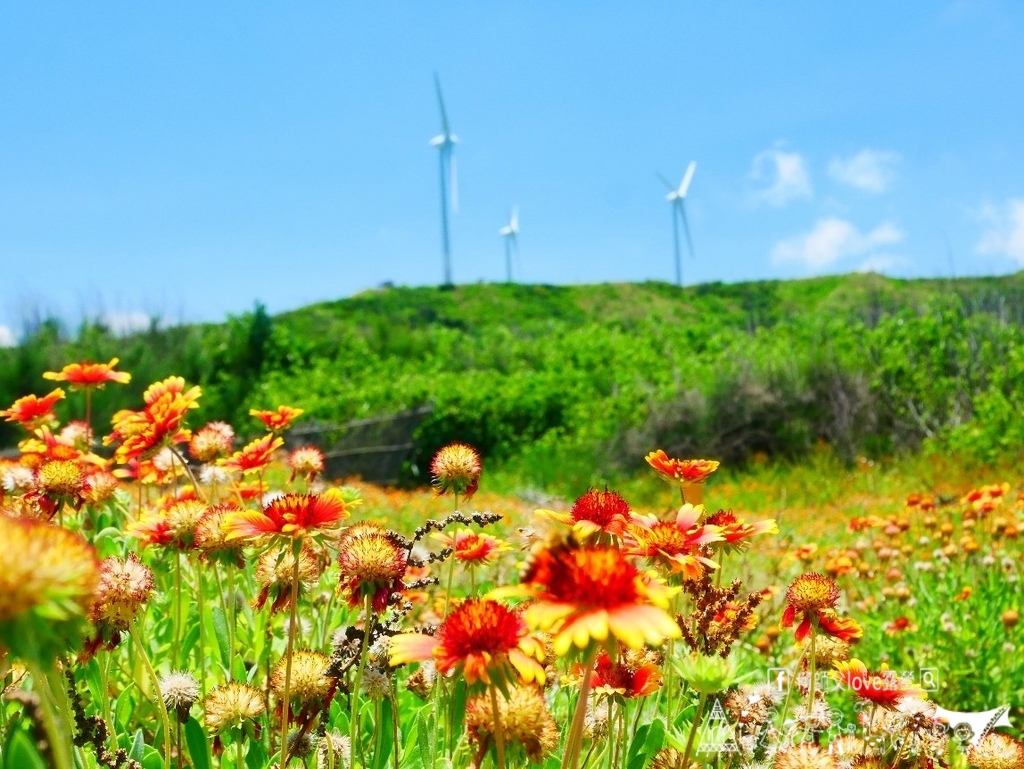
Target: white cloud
1005 233
880 263
7 338
869 170
830 240
786 175
123 323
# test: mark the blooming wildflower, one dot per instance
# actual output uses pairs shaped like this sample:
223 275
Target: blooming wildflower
100 487
277 420
232 706
32 411
211 442
525 722
595 512
274 577
885 689
632 675
307 461
16 477
61 482
803 756
456 468
77 434
964 594
180 692
586 594
310 683
292 516
256 455
85 375
481 640
335 750
474 548
735 532
211 539
160 423
813 597
684 472
996 751
1009 618
372 565
677 544
48 579
900 625
376 684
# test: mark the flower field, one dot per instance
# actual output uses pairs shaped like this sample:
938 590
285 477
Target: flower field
171 596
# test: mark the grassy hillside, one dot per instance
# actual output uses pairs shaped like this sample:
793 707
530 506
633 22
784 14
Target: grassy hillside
564 374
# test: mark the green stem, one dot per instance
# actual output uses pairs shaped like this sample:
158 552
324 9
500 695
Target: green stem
286 703
202 628
693 729
133 631
58 734
176 638
813 662
354 732
574 744
499 731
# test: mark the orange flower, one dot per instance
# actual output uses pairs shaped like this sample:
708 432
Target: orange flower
456 468
32 412
593 513
812 598
735 531
255 456
85 375
292 516
160 423
685 472
474 548
630 676
885 689
60 482
277 420
372 565
586 594
677 544
482 640
964 594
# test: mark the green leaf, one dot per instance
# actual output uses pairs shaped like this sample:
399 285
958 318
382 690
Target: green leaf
137 746
386 741
198 746
220 629
152 759
188 642
257 757
22 753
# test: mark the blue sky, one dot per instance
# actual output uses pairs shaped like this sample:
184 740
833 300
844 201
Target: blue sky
183 160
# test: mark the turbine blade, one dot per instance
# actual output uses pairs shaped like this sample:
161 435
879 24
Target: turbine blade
666 182
686 229
514 223
453 175
440 101
687 178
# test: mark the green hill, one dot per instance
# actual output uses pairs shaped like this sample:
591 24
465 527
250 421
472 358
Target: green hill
865 363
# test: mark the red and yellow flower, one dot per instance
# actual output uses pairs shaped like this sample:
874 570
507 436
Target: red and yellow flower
482 640
159 424
684 472
588 594
279 419
293 517
32 412
372 565
678 544
307 461
812 599
885 689
593 513
634 674
456 469
255 456
735 532
474 548
86 375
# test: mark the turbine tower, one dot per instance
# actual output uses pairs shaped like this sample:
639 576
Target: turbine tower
510 232
677 197
445 143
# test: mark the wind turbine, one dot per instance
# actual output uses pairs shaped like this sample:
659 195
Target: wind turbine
445 143
510 232
677 197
